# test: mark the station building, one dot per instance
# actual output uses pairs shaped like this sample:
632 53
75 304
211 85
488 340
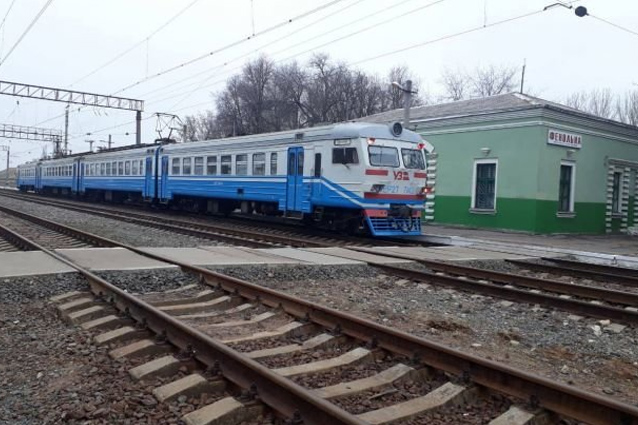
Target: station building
516 162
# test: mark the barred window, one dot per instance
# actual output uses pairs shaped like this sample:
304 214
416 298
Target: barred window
485 186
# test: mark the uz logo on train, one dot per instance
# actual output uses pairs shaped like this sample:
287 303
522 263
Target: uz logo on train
401 175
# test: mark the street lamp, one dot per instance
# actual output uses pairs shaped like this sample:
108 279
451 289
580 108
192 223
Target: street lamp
407 99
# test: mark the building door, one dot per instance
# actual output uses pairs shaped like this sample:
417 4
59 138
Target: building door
294 185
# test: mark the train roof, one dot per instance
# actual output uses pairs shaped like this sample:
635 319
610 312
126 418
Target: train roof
334 131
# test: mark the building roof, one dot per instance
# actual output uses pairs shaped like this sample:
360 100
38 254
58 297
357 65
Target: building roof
487 105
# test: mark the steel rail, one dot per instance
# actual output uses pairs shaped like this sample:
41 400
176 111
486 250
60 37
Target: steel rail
584 291
570 271
17 239
559 398
591 267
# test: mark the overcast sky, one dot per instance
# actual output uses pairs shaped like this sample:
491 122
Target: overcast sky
73 38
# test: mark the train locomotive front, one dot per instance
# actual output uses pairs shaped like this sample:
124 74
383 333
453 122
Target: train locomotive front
378 178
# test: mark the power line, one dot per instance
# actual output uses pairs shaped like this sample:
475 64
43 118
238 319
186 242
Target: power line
230 45
613 24
136 45
33 22
7 14
316 37
447 37
258 49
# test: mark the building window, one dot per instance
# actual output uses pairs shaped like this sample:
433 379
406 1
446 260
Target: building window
199 166
273 164
259 164
484 186
615 194
241 164
211 165
226 164
566 189
175 167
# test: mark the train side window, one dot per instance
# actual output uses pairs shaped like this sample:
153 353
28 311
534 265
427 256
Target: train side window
127 168
114 168
345 156
199 166
102 169
259 164
141 167
241 164
291 163
120 168
317 165
175 167
273 164
108 168
211 165
135 169
300 164
226 164
186 166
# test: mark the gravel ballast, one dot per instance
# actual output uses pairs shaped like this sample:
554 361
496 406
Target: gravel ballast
579 351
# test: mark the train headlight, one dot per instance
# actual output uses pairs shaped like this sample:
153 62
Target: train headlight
377 188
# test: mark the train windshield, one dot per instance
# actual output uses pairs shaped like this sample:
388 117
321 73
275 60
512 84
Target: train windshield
413 159
383 156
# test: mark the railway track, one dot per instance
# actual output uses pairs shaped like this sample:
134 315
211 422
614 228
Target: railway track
578 299
13 224
563 267
619 306
255 372
228 232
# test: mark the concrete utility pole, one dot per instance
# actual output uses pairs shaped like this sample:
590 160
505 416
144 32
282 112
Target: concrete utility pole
66 129
7 149
90 142
407 99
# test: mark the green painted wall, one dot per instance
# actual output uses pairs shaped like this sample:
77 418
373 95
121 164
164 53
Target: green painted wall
527 174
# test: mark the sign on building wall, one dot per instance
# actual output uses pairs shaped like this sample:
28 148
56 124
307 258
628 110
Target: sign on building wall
560 138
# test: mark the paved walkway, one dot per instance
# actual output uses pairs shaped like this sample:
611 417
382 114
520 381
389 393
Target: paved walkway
607 244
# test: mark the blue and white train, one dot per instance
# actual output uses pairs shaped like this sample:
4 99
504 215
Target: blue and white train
353 177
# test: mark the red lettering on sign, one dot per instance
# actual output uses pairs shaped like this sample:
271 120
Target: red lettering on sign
401 175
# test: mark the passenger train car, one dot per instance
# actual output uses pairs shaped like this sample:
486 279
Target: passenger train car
354 177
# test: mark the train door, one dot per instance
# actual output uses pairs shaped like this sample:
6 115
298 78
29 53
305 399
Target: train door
294 183
81 166
164 179
38 178
149 190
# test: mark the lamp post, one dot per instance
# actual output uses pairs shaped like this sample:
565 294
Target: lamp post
6 148
407 99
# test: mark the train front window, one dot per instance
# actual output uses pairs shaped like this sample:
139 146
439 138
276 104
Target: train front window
413 159
383 156
345 156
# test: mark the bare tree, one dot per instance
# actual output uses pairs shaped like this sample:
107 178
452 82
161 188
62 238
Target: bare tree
599 102
456 84
492 80
627 107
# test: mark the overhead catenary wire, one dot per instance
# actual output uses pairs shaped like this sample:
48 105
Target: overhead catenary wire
627 30
359 19
26 31
228 46
136 45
